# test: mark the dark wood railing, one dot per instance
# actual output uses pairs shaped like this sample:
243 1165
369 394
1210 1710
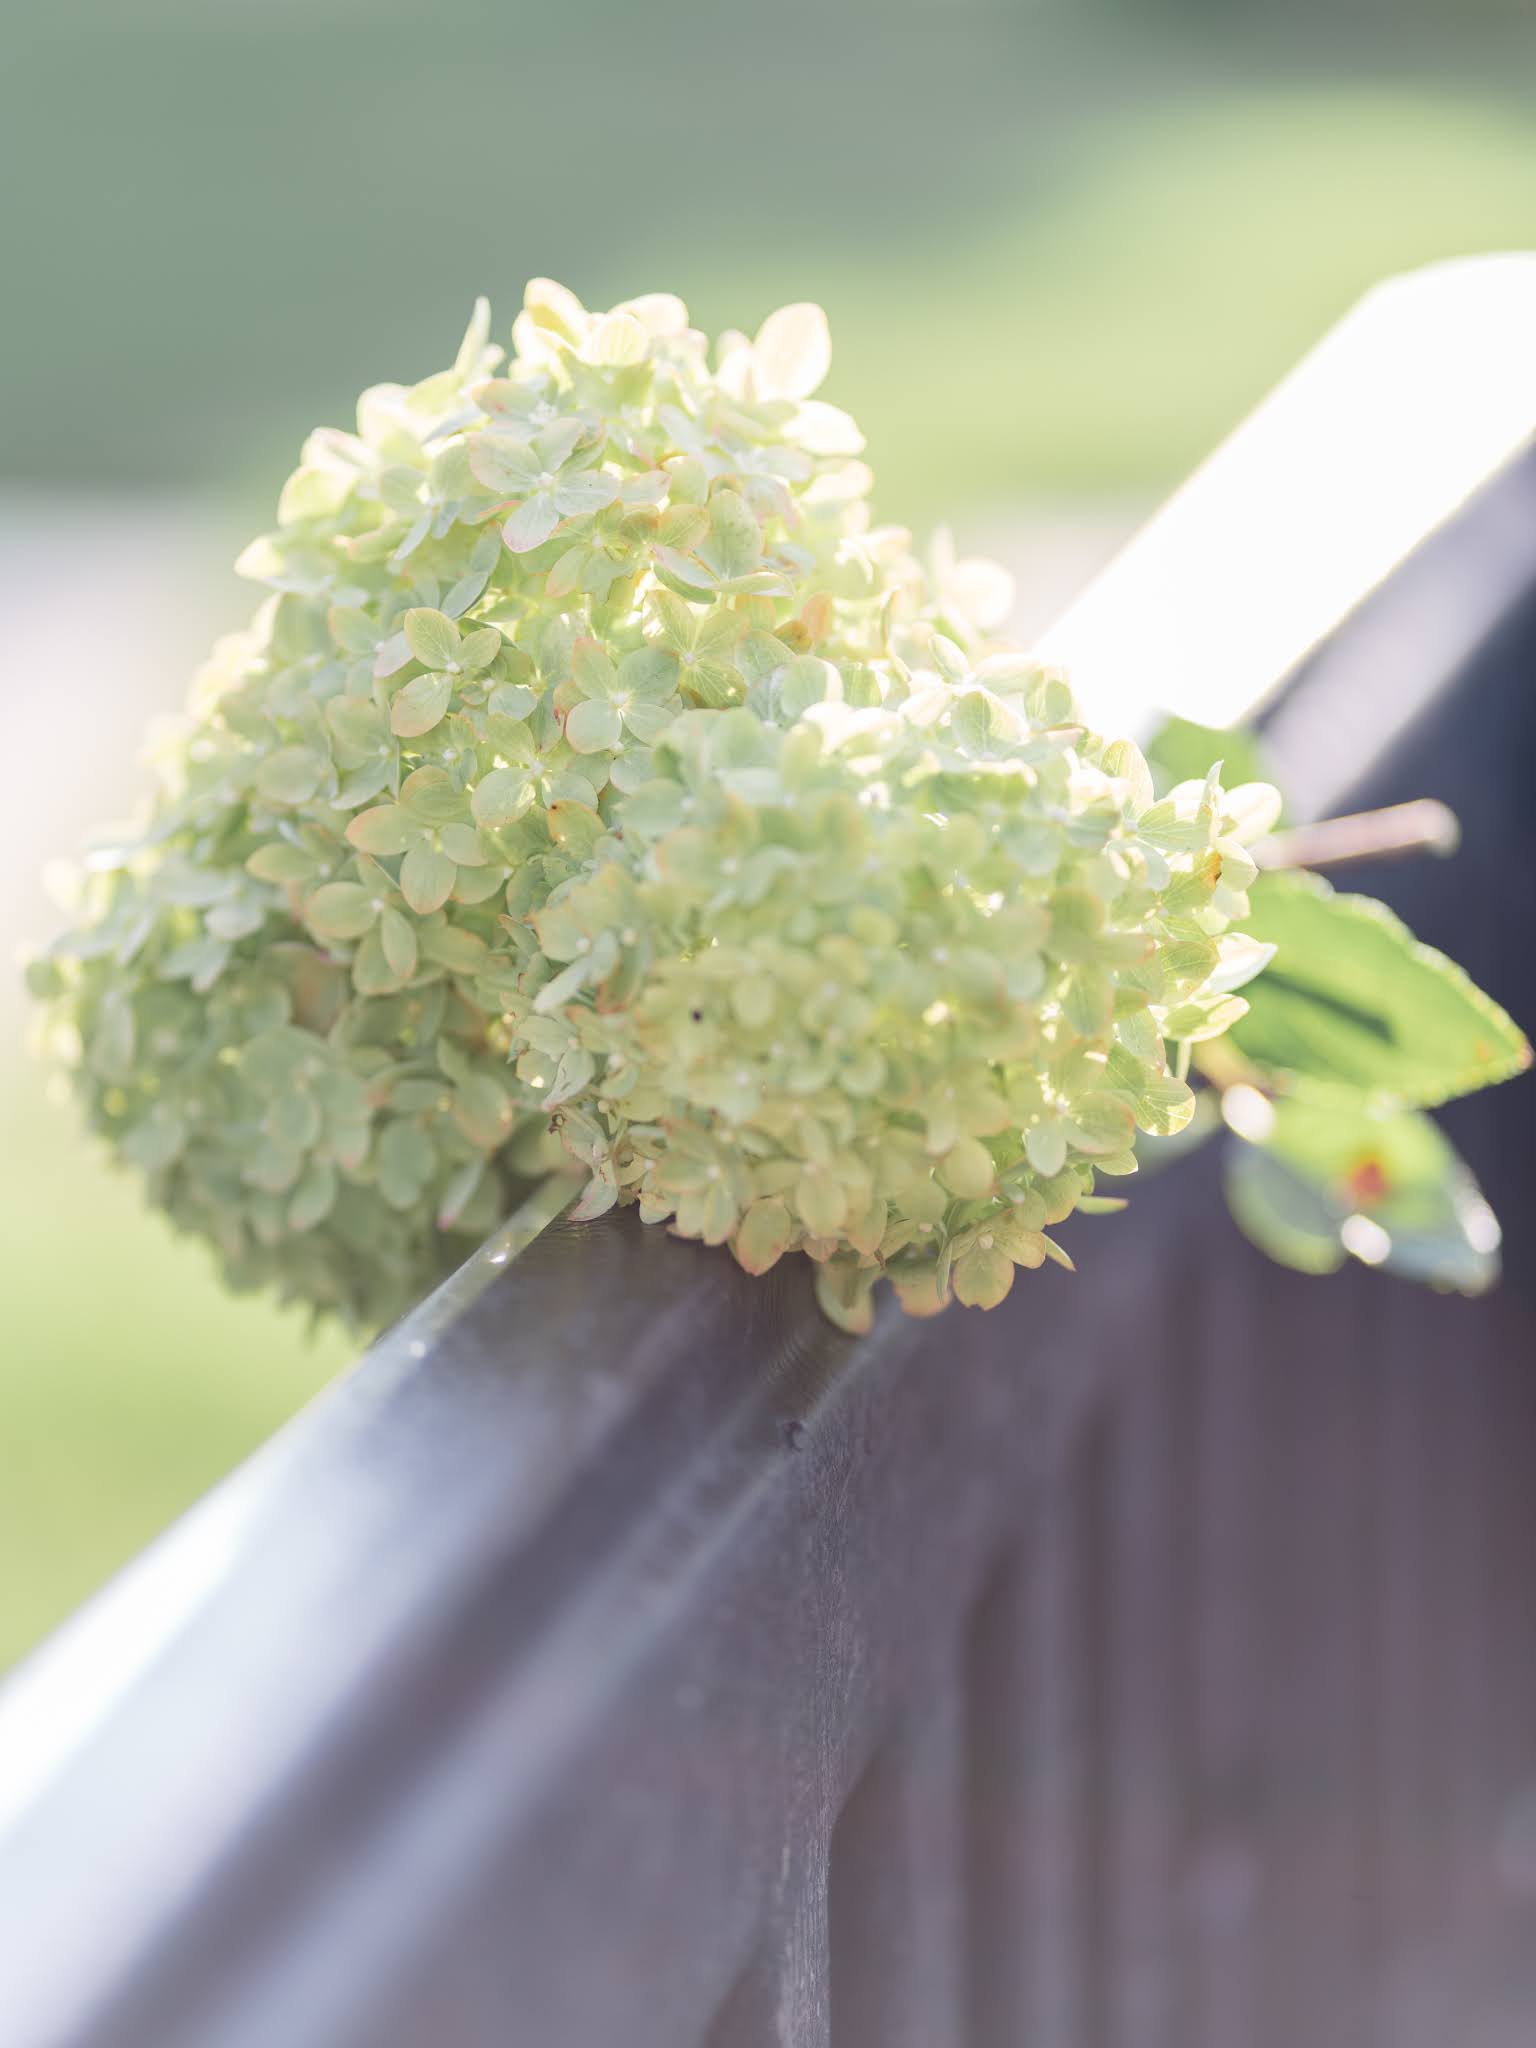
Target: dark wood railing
620 1658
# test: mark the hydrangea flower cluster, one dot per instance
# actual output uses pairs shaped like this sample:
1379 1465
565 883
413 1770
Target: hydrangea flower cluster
599 783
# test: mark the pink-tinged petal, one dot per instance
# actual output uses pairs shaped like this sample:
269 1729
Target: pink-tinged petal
503 464
587 491
531 524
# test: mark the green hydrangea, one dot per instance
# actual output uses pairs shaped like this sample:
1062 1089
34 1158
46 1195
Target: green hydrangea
599 784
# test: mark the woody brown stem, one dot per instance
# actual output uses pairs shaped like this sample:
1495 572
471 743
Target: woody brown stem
1424 826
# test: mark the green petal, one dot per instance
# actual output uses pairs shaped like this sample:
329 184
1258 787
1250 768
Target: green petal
431 796
556 444
649 672
983 1277
594 727
592 671
1045 1146
648 721
500 797
426 879
463 845
792 352
480 649
384 830
820 1202
532 523
482 1110
372 975
844 1293
397 936
587 492
340 910
967 1169
431 637
420 705
734 546
763 1235
502 463
291 775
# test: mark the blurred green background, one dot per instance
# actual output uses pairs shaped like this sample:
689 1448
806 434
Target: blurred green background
1063 249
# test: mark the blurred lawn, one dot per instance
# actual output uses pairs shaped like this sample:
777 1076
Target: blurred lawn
128 1379
1059 257
1059 263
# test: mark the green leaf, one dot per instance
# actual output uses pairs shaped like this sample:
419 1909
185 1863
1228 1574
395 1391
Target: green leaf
1182 751
1352 996
1337 1173
426 879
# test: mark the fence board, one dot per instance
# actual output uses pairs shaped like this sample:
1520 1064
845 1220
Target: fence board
626 1657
